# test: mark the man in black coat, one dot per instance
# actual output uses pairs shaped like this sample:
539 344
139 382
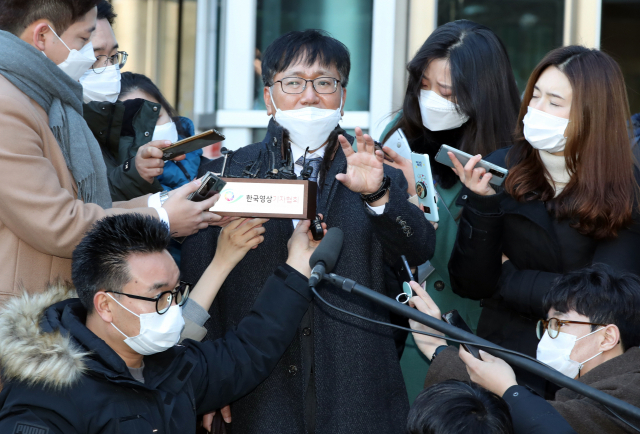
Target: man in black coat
68 369
340 374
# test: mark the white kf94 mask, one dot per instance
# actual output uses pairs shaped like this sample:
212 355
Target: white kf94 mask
77 62
556 352
438 113
158 332
103 87
308 127
543 131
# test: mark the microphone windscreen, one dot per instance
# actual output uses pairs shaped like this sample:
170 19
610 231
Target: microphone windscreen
328 250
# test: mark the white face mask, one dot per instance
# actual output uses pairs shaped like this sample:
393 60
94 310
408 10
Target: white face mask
77 62
158 332
544 131
439 113
101 87
310 126
556 353
167 131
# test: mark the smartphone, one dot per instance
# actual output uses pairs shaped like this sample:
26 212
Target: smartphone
425 189
399 143
191 144
499 173
453 318
378 147
210 183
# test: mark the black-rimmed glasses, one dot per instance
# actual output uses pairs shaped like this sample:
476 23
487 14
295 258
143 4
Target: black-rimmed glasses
552 326
164 300
103 61
297 85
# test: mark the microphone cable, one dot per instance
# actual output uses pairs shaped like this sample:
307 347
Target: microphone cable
458 341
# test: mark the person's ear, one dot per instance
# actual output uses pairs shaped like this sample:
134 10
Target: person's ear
39 34
611 338
344 99
102 306
271 110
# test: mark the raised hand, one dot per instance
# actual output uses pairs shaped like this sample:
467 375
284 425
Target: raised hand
425 304
301 245
364 168
238 237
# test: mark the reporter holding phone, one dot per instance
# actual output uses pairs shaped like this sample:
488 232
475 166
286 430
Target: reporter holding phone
570 199
461 92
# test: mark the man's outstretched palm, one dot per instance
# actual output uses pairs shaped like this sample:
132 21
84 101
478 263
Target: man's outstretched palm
365 167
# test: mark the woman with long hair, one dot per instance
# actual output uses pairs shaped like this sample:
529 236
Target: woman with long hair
461 92
570 198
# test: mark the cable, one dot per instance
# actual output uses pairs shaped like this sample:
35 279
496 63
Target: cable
458 341
319 297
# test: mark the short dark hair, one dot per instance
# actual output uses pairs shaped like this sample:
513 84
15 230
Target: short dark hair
311 45
457 407
132 81
17 15
105 12
100 260
602 295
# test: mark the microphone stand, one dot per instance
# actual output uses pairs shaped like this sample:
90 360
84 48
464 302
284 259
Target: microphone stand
495 350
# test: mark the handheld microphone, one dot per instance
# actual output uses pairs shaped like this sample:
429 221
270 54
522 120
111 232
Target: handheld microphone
324 258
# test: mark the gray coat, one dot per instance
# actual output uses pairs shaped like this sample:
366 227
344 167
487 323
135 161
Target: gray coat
340 374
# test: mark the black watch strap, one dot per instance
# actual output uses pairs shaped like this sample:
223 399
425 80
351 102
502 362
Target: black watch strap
438 351
384 187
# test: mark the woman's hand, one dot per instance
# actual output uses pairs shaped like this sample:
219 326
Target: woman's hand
237 238
475 179
401 163
425 304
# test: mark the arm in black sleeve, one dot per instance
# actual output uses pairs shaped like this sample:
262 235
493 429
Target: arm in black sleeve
234 365
476 259
533 415
523 290
125 183
402 228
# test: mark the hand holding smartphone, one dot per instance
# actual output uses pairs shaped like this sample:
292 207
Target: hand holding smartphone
499 173
453 318
191 144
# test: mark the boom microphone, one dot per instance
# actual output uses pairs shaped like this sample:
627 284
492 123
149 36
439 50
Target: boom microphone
324 258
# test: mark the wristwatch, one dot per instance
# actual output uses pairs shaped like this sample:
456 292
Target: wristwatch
369 198
164 195
438 351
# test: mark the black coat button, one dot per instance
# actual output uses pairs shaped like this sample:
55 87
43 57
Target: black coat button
306 331
439 285
293 370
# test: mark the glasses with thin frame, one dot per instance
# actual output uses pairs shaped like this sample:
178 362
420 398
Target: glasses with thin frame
297 85
164 300
103 61
553 325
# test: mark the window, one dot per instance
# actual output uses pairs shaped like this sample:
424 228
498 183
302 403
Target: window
348 21
528 28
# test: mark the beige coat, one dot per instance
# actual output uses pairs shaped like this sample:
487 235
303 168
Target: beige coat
41 218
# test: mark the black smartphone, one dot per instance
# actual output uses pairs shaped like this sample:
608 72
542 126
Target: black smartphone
191 144
453 318
211 185
378 147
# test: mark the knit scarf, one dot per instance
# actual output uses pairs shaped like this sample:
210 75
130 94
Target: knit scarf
557 168
61 97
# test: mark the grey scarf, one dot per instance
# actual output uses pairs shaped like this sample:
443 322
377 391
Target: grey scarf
61 97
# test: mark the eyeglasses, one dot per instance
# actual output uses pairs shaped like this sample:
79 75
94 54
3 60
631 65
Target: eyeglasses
102 61
297 85
552 326
164 300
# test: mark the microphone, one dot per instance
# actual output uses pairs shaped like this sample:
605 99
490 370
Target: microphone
324 258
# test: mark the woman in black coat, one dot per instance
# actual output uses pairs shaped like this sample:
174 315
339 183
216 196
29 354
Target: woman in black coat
570 198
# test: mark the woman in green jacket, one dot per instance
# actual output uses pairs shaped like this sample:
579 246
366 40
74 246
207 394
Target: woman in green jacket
461 92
